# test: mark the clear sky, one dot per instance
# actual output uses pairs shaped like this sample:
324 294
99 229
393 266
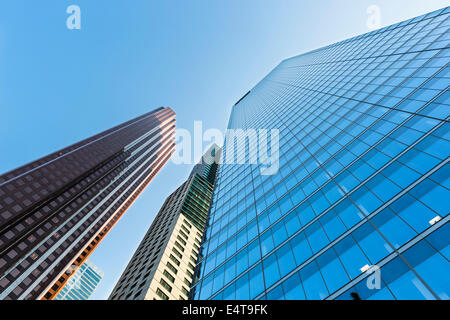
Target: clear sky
58 86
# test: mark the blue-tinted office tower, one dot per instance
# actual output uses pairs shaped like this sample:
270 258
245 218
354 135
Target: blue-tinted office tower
82 283
363 179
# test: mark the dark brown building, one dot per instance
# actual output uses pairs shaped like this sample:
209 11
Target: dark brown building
55 210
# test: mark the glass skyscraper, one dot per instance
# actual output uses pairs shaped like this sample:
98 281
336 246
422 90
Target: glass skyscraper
162 268
362 189
82 283
55 210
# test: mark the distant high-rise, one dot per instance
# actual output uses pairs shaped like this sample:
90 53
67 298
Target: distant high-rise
55 211
363 184
82 283
162 267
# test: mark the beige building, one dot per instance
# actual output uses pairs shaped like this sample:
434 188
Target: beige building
163 265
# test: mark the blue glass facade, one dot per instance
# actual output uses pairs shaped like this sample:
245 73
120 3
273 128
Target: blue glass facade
363 175
82 283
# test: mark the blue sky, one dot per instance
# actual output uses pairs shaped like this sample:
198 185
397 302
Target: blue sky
58 86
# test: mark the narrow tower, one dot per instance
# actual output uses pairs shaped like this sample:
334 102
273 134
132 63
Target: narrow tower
163 265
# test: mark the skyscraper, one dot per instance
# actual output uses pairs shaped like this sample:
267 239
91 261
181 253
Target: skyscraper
162 267
362 189
82 283
55 210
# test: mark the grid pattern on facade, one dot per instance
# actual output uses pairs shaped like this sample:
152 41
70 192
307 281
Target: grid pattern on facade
135 280
54 208
362 181
82 284
163 265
